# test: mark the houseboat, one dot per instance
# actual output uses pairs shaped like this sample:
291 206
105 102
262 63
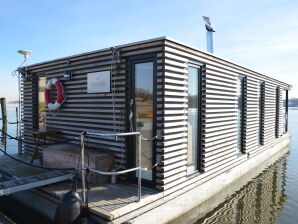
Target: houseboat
201 122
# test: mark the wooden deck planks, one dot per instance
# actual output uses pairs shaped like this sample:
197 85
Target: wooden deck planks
109 200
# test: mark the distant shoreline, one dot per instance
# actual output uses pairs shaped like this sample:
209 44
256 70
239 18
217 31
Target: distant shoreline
12 102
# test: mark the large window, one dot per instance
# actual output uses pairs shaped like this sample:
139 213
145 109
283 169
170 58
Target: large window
261 111
194 83
285 110
144 112
277 107
41 102
240 113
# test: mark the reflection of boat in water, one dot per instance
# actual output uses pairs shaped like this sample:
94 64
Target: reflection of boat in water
259 201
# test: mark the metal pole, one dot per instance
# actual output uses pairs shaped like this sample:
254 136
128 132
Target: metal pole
4 129
20 144
210 42
140 165
17 121
3 108
114 172
4 121
83 168
210 30
18 131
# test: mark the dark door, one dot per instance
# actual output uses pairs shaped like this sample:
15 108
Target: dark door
143 73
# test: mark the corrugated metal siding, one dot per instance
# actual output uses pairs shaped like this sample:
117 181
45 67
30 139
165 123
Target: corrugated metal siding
83 111
28 107
94 112
172 147
219 116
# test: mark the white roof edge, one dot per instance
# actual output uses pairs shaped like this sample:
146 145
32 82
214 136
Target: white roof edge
152 40
100 50
215 56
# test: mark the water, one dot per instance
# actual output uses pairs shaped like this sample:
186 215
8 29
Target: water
15 211
11 145
271 197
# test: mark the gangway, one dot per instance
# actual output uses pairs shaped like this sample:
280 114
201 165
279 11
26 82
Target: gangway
11 184
16 177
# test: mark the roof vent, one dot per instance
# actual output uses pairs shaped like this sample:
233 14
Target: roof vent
209 35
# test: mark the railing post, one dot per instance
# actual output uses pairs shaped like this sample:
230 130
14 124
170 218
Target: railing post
137 169
20 144
140 165
4 122
18 110
83 168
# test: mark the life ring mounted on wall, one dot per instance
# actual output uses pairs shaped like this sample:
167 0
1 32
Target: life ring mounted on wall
47 93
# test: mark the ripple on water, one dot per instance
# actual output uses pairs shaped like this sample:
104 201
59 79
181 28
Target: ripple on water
263 200
272 197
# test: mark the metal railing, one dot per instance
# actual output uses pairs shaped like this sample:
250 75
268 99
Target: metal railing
138 168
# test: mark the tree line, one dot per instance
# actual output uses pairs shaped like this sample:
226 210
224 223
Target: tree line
293 102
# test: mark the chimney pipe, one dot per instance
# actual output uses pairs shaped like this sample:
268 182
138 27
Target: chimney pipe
209 34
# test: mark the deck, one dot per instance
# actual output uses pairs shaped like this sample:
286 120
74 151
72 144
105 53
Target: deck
109 203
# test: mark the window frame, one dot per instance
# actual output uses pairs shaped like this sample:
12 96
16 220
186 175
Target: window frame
198 167
287 111
277 112
131 142
241 96
261 112
36 124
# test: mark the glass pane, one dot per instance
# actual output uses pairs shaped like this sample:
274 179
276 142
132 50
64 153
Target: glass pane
41 102
284 111
192 137
240 82
277 107
144 112
261 91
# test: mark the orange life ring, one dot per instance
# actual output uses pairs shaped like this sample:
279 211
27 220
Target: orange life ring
47 93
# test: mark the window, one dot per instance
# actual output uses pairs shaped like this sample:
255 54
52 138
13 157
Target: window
142 116
285 110
41 102
261 111
144 112
277 107
194 105
240 112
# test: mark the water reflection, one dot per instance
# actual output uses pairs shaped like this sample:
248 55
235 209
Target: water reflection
144 112
260 201
9 125
3 133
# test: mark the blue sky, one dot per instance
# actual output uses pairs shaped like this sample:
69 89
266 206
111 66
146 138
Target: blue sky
261 35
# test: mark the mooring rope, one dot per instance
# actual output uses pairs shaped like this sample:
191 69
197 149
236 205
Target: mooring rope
36 166
22 141
56 168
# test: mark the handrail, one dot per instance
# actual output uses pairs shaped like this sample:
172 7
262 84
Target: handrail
83 168
114 173
112 134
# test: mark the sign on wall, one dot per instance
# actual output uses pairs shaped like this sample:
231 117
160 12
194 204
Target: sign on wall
99 82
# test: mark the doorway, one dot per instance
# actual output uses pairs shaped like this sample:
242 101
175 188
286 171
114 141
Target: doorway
142 109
